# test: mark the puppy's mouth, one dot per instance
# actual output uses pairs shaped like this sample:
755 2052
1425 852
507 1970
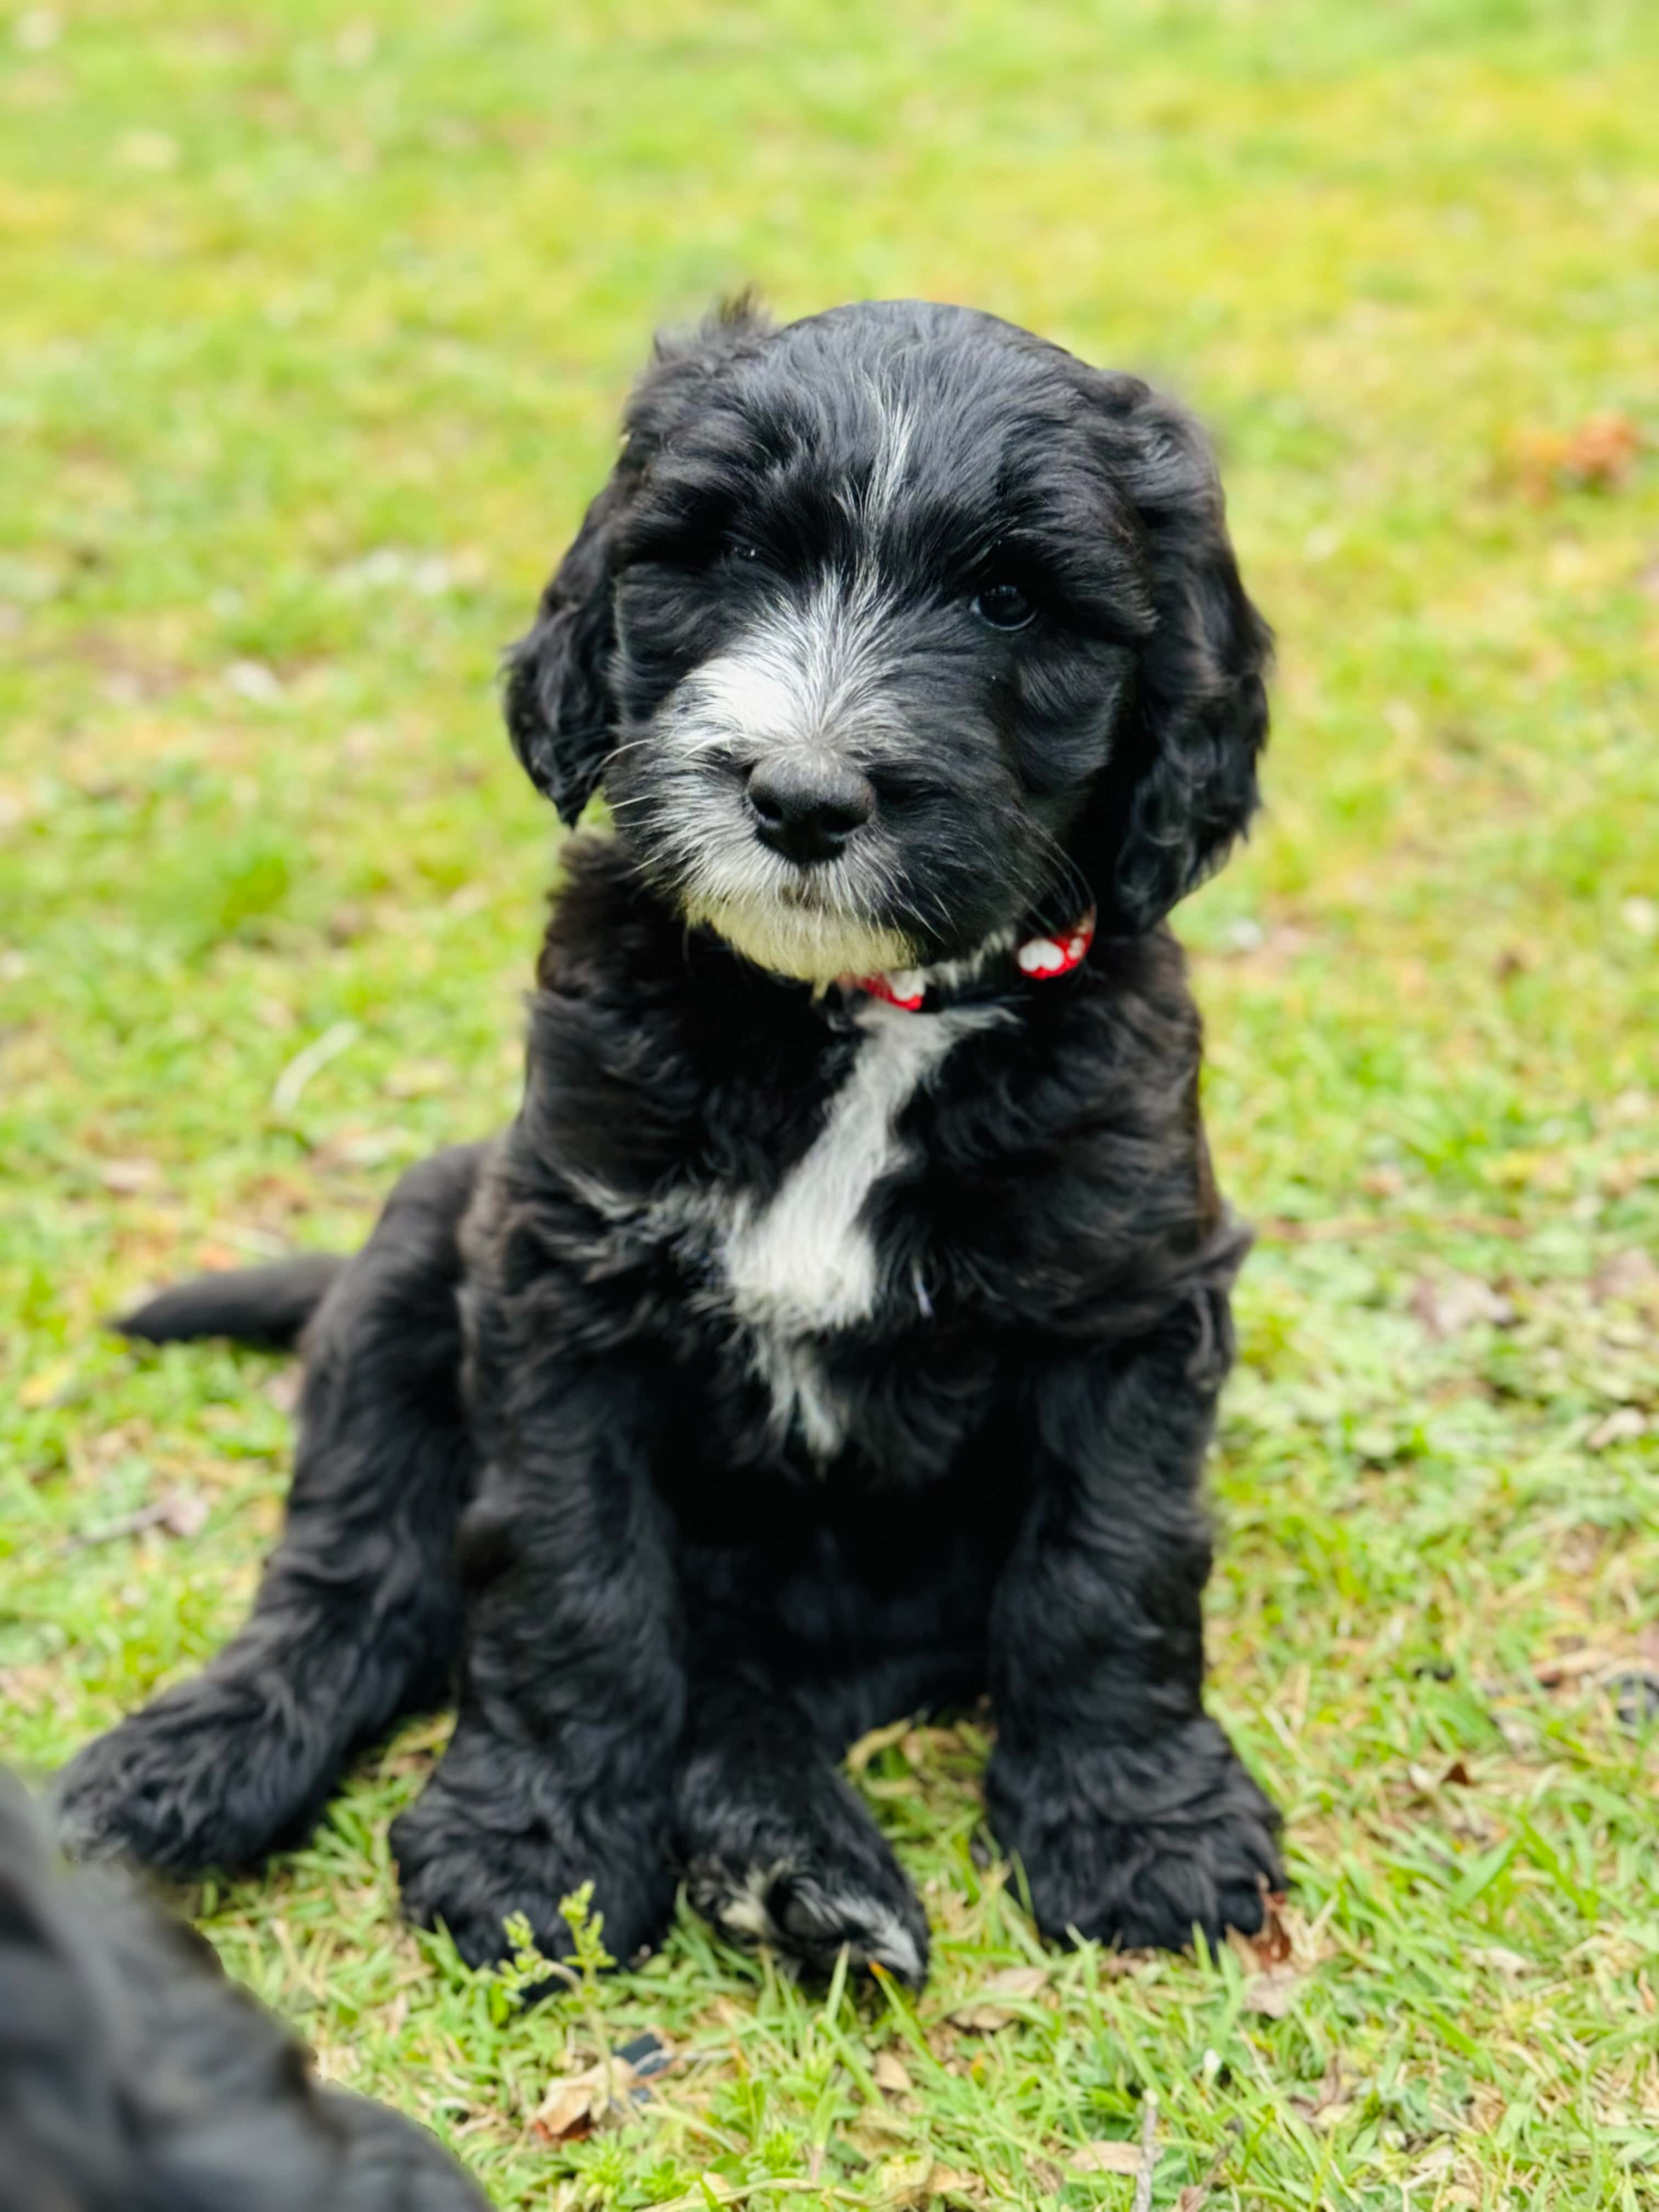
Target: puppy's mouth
794 921
813 920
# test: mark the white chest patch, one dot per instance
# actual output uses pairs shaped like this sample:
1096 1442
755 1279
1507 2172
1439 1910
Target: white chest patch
793 1271
804 1264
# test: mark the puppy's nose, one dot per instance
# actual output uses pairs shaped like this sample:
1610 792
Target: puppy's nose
807 809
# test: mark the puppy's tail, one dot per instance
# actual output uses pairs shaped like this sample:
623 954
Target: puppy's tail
252 1305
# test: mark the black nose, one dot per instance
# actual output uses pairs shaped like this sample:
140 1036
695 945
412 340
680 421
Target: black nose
807 809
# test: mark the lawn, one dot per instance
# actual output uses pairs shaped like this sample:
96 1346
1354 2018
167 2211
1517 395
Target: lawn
314 330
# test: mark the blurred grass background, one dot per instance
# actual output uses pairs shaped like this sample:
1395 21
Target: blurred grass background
315 324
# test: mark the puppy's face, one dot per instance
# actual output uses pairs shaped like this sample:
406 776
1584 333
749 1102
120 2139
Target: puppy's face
879 591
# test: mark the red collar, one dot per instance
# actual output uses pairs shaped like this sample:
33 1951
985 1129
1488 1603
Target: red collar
1039 957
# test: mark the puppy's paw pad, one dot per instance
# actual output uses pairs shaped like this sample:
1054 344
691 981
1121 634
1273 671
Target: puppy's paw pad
875 1933
812 1915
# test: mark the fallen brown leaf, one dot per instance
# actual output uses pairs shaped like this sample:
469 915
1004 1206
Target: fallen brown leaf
891 2073
984 2013
1383 1182
1509 1963
1105 2158
905 2181
1447 1305
1599 454
1622 1427
1571 1666
1270 1994
1271 1941
1631 1276
1426 1781
950 2183
575 2103
182 1513
566 2111
126 1178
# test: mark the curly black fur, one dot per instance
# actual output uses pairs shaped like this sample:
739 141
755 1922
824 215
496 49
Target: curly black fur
135 2078
793 1362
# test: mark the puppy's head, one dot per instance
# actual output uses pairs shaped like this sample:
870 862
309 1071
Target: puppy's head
893 632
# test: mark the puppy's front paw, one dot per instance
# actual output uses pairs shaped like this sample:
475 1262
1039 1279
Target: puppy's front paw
789 1856
1139 1845
195 1780
458 1867
811 1909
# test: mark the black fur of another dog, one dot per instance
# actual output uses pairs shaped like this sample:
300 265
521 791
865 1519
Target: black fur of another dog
135 2078
796 1362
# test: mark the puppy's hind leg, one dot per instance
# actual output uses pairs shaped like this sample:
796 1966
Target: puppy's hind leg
358 1618
776 1847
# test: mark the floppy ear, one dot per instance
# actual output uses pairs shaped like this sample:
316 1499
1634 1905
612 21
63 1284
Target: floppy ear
1184 785
559 702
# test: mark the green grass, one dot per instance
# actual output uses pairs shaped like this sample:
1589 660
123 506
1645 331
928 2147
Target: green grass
314 331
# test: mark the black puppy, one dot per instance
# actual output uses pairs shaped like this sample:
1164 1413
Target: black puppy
135 2078
837 1331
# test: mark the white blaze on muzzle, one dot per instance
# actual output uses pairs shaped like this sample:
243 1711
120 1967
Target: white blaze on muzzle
810 679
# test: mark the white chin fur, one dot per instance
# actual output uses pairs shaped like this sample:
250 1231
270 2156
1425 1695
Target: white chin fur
812 947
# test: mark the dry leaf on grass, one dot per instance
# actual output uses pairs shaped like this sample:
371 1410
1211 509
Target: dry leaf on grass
1271 1994
178 1512
126 1178
182 1513
570 2106
891 2073
1622 1427
601 2094
1273 1942
985 2013
1105 2158
1426 1781
955 2186
1571 1666
1511 1964
1631 1276
1268 1956
1597 454
905 2181
1448 1304
914 2181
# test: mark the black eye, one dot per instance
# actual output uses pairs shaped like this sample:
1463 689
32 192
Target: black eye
1005 606
738 548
